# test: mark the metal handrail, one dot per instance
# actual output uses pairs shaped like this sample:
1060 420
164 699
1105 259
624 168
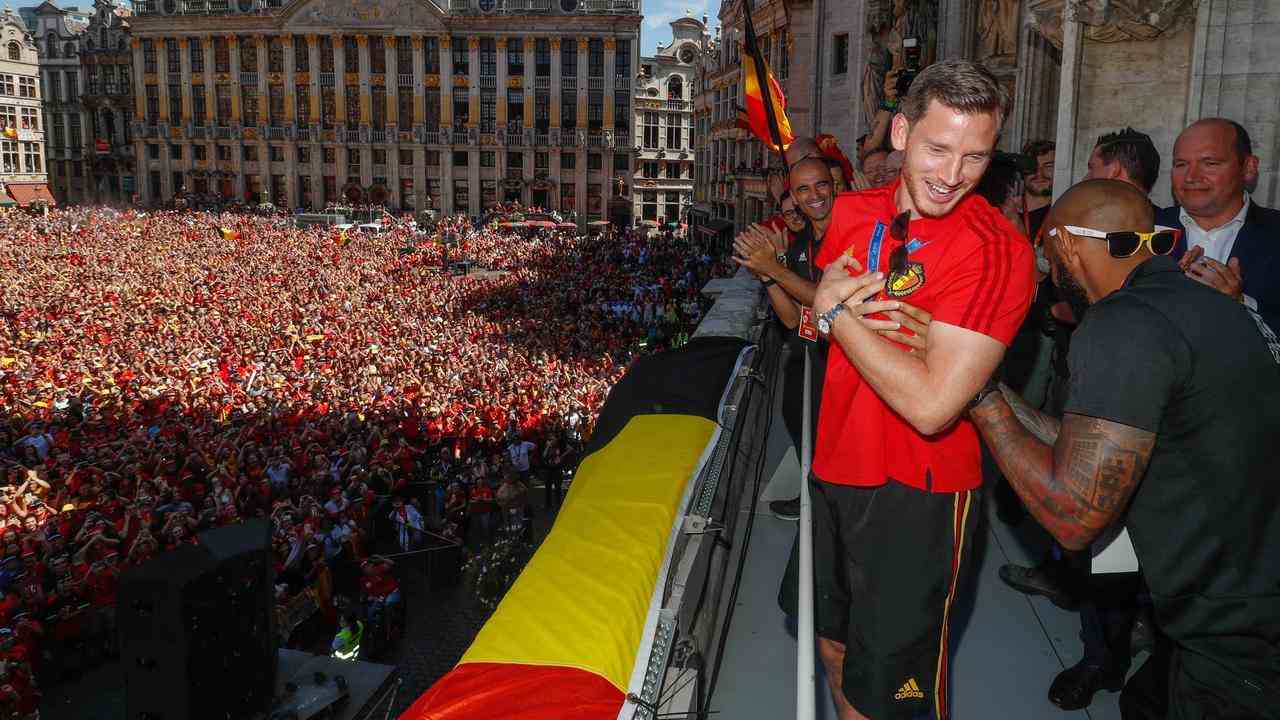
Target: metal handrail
805 676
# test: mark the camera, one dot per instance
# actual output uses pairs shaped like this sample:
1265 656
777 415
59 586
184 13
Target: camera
910 65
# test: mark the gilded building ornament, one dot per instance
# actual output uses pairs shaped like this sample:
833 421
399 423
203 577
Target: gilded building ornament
460 81
473 43
446 41
610 43
500 43
515 82
362 41
416 41
390 42
583 44
431 81
555 44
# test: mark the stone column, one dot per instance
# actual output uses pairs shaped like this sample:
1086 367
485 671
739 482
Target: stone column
419 98
555 86
473 89
446 183
1068 96
366 94
141 184
313 68
392 65
530 71
233 48
583 84
291 182
610 69
339 84
264 109
184 65
210 92
500 94
446 99
162 80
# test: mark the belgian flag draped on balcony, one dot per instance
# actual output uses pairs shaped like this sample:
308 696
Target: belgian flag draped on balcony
766 111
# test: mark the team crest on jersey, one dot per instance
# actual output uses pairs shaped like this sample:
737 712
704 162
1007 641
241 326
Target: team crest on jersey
902 284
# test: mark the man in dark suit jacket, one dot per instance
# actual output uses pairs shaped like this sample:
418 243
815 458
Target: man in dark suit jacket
1229 243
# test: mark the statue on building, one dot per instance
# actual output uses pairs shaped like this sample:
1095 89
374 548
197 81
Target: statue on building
889 23
998 31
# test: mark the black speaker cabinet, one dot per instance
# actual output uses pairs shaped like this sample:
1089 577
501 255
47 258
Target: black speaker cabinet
196 629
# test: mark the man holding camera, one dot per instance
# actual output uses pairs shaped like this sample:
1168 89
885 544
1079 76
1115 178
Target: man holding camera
897 470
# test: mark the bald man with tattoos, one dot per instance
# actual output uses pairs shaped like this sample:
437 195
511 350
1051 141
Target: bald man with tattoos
1170 427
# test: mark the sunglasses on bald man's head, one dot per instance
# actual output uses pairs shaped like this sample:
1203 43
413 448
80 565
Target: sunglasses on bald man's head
1127 243
898 231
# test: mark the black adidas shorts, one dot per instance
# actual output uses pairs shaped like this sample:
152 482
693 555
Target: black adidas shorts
887 561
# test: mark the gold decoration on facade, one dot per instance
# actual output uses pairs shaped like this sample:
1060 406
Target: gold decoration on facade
445 42
610 43
378 80
431 81
390 42
302 78
416 41
362 41
460 81
197 78
222 77
312 40
515 82
555 44
583 44
149 79
136 43
351 78
275 78
501 43
473 43
182 43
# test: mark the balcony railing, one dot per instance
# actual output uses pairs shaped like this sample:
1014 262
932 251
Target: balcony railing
541 83
540 5
431 137
405 80
326 79
276 133
302 133
249 79
459 5
595 83
595 140
222 133
175 78
569 137
569 83
378 136
541 140
621 83
677 104
352 136
488 82
621 139
198 132
459 137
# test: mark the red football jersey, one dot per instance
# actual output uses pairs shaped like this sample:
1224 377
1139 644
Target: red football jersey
970 269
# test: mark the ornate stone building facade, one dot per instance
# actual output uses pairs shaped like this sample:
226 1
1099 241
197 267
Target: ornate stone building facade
58 35
416 105
663 182
106 65
22 161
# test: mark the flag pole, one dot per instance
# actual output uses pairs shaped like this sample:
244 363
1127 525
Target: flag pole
762 78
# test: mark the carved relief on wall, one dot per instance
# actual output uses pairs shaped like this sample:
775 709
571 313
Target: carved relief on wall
357 13
1112 20
998 32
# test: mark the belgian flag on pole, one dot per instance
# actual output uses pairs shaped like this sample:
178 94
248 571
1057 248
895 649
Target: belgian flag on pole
766 111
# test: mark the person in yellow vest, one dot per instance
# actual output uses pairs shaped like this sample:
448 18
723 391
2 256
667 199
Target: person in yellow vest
346 644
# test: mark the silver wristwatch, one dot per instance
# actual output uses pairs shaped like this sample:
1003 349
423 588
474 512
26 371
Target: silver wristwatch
828 317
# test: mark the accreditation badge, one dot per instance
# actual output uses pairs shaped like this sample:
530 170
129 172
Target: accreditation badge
808 329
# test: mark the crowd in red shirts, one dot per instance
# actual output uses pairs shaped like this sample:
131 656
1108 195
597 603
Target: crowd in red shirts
160 376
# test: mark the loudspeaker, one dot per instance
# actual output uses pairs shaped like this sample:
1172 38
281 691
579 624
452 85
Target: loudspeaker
196 626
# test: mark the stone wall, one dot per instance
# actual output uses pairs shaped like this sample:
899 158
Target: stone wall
1236 73
1139 84
840 107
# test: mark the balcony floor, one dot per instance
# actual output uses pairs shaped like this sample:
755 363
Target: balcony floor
1009 648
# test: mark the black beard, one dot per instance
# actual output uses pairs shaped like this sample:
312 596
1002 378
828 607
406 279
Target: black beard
1071 293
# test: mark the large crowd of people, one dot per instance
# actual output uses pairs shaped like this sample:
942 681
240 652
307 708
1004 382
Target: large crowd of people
167 372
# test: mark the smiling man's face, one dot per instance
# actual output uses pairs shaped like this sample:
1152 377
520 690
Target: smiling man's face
813 188
947 151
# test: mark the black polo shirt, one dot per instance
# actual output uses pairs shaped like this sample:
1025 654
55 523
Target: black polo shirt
1174 357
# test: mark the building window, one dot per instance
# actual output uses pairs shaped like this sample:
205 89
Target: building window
30 118
175 103
622 59
621 112
595 161
649 169
568 160
275 55
304 154
431 56
328 107
404 109
404 58
595 57
432 117
784 62
568 111
9 156
301 54
224 153
328 155
221 55
460 158
433 158
153 105
326 54
515 57
595 110
461 195
488 109
15 51
651 130
248 54
148 56
542 111
350 54
275 153
352 102
153 151
568 197
621 162
377 55
515 107
199 152
379 156
249 153
302 104
378 103
488 192
541 161
461 107
172 60
568 58
406 157
542 57
6 85
249 105
649 204
488 57
195 53
675 139
461 58
8 116
175 152
840 54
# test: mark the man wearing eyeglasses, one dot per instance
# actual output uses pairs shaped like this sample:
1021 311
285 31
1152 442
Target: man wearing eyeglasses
897 469
1170 426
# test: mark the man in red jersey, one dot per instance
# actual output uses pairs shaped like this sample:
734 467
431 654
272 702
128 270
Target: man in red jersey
896 467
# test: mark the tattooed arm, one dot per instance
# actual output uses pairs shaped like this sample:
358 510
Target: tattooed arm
1077 486
1044 426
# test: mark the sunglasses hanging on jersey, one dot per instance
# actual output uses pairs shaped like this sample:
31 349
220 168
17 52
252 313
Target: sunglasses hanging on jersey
898 231
1127 243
